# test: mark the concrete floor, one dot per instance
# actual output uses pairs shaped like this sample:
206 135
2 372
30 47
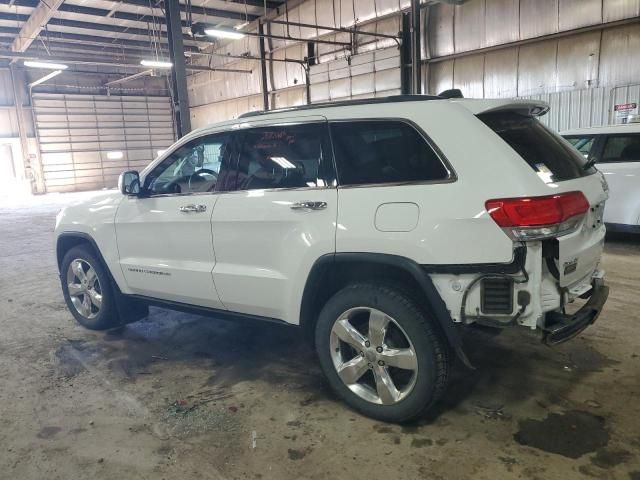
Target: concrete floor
182 396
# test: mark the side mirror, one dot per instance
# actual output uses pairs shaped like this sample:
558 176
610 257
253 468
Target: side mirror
129 183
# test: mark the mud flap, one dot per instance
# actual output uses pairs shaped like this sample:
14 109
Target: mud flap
130 309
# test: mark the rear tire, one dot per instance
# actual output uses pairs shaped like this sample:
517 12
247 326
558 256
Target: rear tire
87 289
375 335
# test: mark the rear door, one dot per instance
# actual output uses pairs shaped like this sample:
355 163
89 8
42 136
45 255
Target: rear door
620 163
275 216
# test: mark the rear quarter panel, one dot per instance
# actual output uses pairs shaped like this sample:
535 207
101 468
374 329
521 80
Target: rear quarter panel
453 226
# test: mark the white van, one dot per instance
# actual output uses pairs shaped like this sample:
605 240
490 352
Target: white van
615 149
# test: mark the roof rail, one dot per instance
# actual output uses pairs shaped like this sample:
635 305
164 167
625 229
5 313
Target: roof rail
343 103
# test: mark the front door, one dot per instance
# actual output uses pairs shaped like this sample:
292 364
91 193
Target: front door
164 236
276 218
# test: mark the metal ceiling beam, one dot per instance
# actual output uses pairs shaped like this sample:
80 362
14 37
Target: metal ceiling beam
37 21
84 25
249 57
82 48
128 78
141 17
133 63
101 12
209 12
257 3
353 31
199 29
95 40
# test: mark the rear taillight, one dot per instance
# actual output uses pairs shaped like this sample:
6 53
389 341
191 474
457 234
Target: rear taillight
535 218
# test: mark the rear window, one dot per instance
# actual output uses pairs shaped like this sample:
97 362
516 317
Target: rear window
378 152
546 152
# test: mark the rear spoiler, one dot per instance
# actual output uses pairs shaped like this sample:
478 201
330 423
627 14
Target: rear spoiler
533 108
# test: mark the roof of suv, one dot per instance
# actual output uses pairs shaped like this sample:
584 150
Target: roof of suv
346 103
476 106
606 129
376 107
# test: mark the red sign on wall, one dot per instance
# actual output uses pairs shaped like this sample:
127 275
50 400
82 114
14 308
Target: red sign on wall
625 107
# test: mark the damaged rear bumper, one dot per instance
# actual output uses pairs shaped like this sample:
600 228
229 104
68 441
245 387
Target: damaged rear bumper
561 327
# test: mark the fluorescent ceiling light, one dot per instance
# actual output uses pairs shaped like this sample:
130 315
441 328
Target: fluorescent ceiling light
241 25
48 76
47 65
223 33
114 155
156 63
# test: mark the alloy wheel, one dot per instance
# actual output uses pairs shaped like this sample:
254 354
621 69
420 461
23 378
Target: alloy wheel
84 288
373 355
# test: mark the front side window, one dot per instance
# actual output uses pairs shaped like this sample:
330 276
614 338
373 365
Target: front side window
284 156
546 152
622 148
191 168
378 152
582 144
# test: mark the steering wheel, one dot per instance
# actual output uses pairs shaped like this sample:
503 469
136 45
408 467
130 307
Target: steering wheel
205 171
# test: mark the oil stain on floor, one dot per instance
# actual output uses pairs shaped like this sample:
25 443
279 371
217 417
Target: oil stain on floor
572 434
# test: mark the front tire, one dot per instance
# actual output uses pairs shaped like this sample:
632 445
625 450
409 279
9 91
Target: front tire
87 289
380 353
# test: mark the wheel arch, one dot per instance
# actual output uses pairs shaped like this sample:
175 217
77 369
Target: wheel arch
67 240
332 272
129 308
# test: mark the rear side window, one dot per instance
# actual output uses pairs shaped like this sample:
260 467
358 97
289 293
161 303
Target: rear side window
622 148
546 152
374 152
582 144
294 156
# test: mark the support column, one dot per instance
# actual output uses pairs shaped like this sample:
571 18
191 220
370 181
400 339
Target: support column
310 60
179 92
416 64
405 55
32 169
263 68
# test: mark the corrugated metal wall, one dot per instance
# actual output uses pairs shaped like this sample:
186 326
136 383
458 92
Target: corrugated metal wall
582 75
559 69
375 70
604 58
79 136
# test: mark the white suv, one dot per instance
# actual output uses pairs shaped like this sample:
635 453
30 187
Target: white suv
380 227
615 149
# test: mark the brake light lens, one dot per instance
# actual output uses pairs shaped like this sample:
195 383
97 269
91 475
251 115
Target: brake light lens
535 218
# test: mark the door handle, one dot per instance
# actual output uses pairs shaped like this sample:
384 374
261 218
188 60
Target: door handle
193 208
309 206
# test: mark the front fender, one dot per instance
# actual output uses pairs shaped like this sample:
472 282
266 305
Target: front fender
92 220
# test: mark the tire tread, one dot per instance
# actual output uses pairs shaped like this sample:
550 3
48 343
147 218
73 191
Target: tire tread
432 332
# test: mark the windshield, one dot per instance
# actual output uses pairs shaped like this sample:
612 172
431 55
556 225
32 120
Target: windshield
546 152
